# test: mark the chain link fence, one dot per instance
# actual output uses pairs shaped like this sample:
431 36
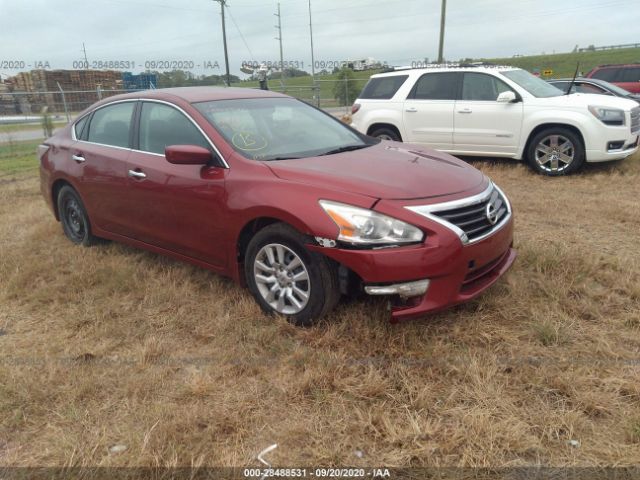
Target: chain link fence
28 107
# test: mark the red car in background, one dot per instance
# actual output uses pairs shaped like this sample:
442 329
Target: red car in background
625 76
280 196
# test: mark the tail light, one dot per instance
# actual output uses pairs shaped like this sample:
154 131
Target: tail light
354 108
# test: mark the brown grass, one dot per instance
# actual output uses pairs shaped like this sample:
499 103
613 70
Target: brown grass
114 346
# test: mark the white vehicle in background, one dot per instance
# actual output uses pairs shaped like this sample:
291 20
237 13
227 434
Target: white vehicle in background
497 111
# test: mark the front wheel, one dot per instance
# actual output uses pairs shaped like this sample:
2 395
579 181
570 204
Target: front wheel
286 278
384 133
556 151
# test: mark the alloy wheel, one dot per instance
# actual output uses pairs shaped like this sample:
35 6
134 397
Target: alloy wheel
282 279
554 153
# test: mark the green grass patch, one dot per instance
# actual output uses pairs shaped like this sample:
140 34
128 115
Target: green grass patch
18 157
300 87
21 127
564 64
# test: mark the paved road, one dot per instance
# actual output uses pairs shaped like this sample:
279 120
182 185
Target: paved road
21 135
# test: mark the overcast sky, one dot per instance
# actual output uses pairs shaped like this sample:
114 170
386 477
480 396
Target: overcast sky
396 31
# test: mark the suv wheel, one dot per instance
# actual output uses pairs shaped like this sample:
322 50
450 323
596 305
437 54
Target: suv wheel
556 151
287 279
384 133
74 218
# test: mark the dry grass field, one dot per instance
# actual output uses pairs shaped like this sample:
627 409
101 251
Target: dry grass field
110 345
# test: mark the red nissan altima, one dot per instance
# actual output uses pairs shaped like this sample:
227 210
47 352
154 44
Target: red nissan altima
279 196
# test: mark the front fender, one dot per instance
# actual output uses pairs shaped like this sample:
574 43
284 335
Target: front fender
578 120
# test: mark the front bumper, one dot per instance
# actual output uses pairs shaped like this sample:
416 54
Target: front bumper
456 273
629 148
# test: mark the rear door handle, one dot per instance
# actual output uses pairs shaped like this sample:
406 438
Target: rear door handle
78 158
136 174
466 110
411 110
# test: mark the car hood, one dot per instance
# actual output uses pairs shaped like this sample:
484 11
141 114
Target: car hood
388 170
583 100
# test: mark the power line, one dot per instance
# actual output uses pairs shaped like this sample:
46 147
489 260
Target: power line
241 35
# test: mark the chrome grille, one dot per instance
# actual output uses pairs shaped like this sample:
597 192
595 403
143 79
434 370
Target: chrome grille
635 120
478 219
471 218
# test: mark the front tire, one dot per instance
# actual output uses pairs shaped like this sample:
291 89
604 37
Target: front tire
287 279
384 133
74 218
556 151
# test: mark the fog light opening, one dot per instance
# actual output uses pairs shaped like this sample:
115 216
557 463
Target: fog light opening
615 145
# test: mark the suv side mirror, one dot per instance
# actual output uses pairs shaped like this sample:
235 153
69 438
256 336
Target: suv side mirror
507 97
187 155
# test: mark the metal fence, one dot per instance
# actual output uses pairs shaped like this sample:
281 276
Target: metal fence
20 107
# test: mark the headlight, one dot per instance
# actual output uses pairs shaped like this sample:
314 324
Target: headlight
366 227
608 116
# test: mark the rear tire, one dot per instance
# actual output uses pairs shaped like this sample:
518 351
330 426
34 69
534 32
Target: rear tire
287 279
556 151
385 133
74 218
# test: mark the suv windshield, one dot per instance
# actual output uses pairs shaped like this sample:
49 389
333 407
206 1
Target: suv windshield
279 128
532 84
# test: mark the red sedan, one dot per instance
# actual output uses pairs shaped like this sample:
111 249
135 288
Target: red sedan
280 196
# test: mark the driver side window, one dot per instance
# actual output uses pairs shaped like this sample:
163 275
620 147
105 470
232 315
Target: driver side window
482 87
162 125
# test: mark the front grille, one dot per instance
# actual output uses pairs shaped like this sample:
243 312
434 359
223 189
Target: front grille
635 120
479 218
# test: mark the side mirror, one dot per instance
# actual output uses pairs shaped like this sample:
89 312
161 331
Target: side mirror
187 155
507 97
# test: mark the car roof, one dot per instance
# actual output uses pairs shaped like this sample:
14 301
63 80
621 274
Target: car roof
445 68
597 81
198 94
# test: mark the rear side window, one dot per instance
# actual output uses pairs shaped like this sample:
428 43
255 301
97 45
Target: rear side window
436 86
383 88
588 88
162 125
111 125
629 74
606 74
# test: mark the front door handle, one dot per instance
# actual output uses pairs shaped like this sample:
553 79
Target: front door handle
411 110
466 110
78 158
136 174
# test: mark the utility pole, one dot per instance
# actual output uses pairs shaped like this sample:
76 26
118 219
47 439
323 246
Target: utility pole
279 38
313 63
442 19
86 62
313 67
224 40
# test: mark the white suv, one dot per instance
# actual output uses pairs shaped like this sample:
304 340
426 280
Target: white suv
497 111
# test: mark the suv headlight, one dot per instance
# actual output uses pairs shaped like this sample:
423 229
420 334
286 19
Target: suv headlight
366 227
608 116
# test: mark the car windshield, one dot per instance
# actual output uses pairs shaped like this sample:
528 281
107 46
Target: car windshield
279 128
532 84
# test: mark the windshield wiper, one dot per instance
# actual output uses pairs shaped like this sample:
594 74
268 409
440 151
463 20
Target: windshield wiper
346 148
280 158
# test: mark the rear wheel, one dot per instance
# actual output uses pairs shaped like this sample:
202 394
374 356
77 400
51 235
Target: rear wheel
74 218
556 151
286 278
385 133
